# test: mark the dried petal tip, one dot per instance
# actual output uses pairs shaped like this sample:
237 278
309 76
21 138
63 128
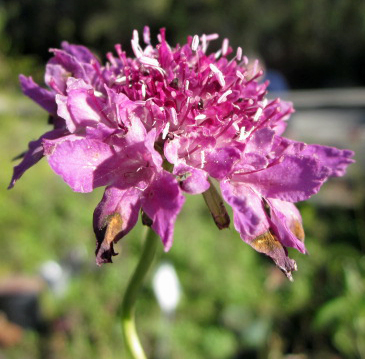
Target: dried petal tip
269 245
105 237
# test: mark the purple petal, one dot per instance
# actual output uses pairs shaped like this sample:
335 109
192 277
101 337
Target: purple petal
162 202
121 109
293 179
82 53
41 96
260 142
252 222
33 155
150 146
335 159
220 161
72 65
171 150
56 76
84 109
76 161
191 180
114 217
287 223
250 219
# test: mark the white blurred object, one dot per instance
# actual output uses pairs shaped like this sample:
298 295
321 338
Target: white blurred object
166 287
55 276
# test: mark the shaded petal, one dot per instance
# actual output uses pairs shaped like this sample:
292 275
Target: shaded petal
219 162
191 180
76 162
64 113
33 155
121 109
250 219
84 109
261 141
72 65
279 114
150 146
56 76
251 162
253 224
82 53
335 159
114 217
162 202
287 223
41 96
293 179
171 149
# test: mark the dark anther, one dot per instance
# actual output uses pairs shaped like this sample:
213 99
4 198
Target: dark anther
200 104
146 221
174 83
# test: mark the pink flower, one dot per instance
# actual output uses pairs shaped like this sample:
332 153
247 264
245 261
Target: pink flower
168 121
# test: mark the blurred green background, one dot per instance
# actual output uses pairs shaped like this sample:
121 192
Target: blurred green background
235 303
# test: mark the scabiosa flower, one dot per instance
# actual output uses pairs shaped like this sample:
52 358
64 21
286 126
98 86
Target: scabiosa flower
167 122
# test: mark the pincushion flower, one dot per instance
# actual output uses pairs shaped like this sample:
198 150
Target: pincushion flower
174 120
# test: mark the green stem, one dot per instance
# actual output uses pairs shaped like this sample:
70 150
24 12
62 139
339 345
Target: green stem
128 306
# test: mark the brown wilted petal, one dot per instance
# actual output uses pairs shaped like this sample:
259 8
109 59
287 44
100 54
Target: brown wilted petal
269 245
105 238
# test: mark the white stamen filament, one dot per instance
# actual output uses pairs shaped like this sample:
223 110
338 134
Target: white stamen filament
135 36
98 93
240 75
173 115
203 161
218 74
143 89
148 61
204 42
223 98
212 37
255 67
257 114
146 35
195 43
239 53
225 47
200 117
235 126
136 49
243 134
166 130
187 83
218 54
120 80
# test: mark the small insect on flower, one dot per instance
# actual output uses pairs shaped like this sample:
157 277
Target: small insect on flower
173 121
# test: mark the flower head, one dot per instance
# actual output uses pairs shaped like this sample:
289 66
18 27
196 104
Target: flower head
165 122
